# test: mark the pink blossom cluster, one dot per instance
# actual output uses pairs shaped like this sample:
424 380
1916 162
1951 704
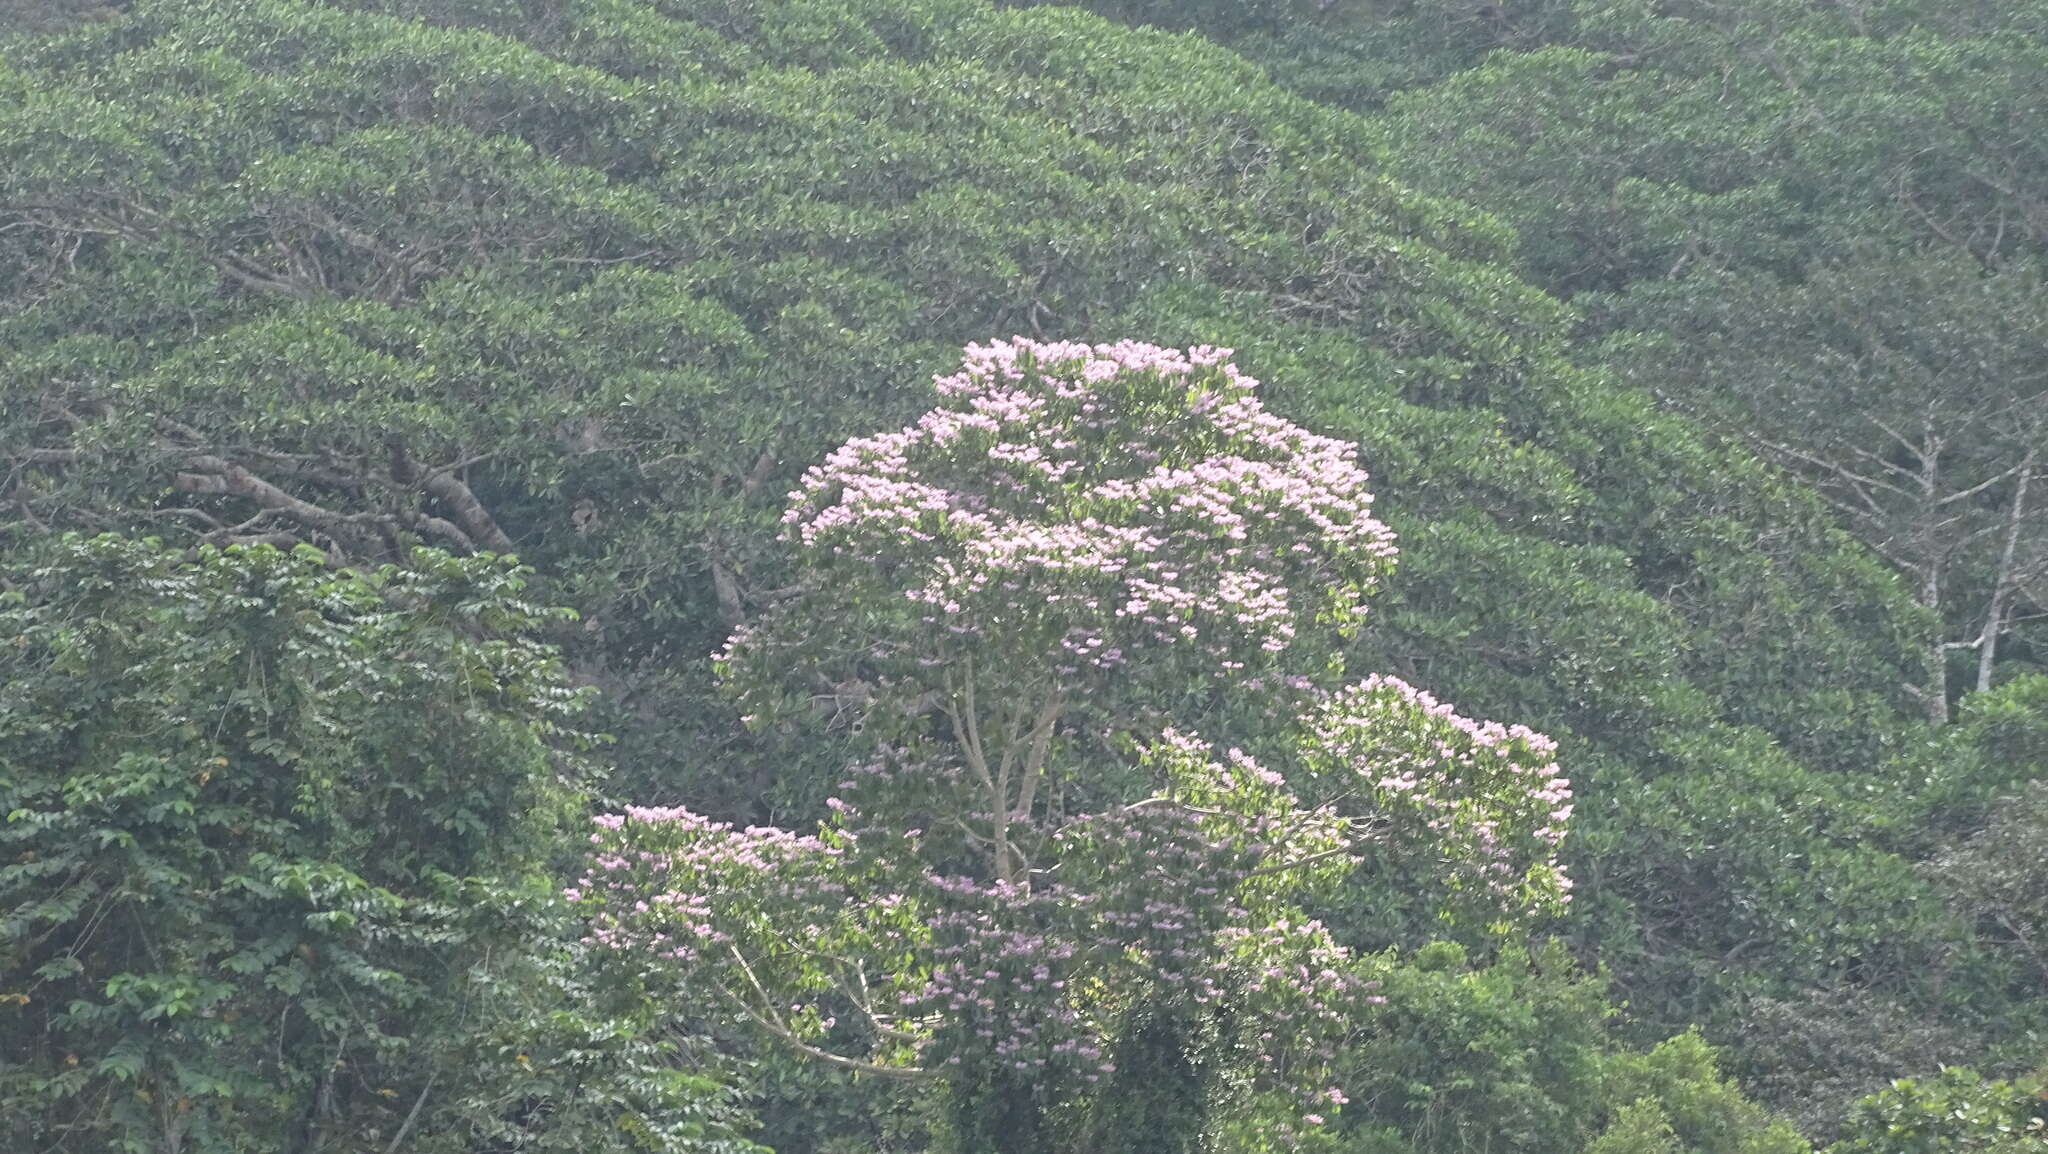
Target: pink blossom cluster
1487 797
650 881
1085 502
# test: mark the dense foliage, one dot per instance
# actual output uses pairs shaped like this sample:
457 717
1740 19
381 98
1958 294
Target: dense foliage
1693 350
272 839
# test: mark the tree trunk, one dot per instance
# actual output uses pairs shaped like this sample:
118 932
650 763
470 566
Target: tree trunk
2007 578
1934 692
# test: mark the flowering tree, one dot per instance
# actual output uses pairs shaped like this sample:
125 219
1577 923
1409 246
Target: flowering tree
1016 597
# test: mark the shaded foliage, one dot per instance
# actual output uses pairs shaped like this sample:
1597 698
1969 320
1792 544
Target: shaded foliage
269 834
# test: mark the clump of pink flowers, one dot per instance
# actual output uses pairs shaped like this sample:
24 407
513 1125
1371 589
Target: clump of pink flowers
1085 503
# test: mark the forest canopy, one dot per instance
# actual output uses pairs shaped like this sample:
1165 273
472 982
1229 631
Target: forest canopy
453 499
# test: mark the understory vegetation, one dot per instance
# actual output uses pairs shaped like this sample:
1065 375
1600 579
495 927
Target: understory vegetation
845 576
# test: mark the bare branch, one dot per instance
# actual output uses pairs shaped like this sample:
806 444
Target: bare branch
217 475
476 521
772 1022
1040 740
1836 467
2022 468
725 587
1299 863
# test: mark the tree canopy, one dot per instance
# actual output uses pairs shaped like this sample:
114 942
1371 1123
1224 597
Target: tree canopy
1692 351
